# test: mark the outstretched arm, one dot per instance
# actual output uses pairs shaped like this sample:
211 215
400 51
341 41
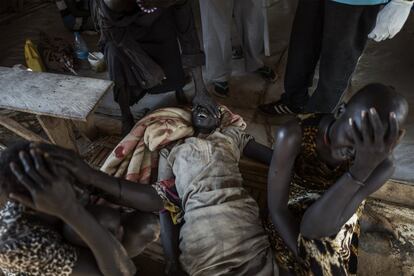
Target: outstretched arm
258 152
288 140
170 232
52 193
129 194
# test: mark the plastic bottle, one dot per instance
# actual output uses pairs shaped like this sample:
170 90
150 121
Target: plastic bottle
81 49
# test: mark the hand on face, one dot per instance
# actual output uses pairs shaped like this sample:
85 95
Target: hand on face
373 141
50 191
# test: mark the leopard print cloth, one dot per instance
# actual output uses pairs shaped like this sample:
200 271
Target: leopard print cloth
31 249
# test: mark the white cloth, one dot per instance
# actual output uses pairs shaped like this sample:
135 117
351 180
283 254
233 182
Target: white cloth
222 233
217 18
391 19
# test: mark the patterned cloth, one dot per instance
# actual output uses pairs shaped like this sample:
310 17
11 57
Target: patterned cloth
136 156
335 255
31 249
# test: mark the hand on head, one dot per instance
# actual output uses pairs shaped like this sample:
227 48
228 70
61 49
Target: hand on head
370 123
373 140
50 190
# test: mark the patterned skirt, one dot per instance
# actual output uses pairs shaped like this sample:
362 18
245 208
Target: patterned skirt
334 255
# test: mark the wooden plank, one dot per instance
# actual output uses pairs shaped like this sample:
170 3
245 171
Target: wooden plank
62 96
59 131
88 128
17 128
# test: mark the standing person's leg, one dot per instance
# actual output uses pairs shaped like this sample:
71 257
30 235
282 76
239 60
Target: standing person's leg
249 18
304 52
345 34
248 15
216 18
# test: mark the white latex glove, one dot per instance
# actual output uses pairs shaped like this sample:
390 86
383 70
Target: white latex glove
391 19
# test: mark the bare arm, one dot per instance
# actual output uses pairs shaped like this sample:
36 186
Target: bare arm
130 194
258 152
370 170
288 140
52 193
340 202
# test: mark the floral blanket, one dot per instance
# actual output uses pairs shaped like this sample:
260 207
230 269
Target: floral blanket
135 158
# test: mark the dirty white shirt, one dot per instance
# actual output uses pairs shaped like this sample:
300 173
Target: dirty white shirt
222 233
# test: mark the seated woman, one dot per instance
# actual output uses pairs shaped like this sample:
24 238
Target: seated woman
36 202
222 233
322 170
147 44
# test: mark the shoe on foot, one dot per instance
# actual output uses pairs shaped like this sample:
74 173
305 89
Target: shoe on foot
277 108
221 89
267 74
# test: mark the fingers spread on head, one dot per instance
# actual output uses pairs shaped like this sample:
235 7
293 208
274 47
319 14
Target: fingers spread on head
356 134
23 178
393 129
376 125
40 164
364 129
30 168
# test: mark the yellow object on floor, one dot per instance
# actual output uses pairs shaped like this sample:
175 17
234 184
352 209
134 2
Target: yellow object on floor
33 59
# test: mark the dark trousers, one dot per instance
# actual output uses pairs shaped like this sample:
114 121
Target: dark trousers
335 34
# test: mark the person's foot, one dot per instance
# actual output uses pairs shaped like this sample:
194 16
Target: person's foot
277 108
267 73
237 52
221 89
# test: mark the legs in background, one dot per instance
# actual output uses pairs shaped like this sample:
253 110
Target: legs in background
334 34
345 35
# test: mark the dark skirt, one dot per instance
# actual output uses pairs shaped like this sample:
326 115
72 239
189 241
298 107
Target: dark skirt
141 50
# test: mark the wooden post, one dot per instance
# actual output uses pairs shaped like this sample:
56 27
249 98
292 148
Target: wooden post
59 131
17 128
88 128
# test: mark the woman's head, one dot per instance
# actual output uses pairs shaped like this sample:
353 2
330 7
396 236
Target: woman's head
384 99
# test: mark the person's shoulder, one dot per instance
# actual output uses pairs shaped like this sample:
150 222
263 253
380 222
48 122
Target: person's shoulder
290 133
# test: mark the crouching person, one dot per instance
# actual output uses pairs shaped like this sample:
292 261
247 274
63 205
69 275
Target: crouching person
323 169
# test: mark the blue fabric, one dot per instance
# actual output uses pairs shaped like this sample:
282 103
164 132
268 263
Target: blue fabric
362 2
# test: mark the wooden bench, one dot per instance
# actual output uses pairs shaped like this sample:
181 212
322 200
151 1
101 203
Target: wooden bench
59 101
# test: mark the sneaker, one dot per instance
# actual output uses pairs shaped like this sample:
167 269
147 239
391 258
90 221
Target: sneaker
221 89
277 108
267 74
